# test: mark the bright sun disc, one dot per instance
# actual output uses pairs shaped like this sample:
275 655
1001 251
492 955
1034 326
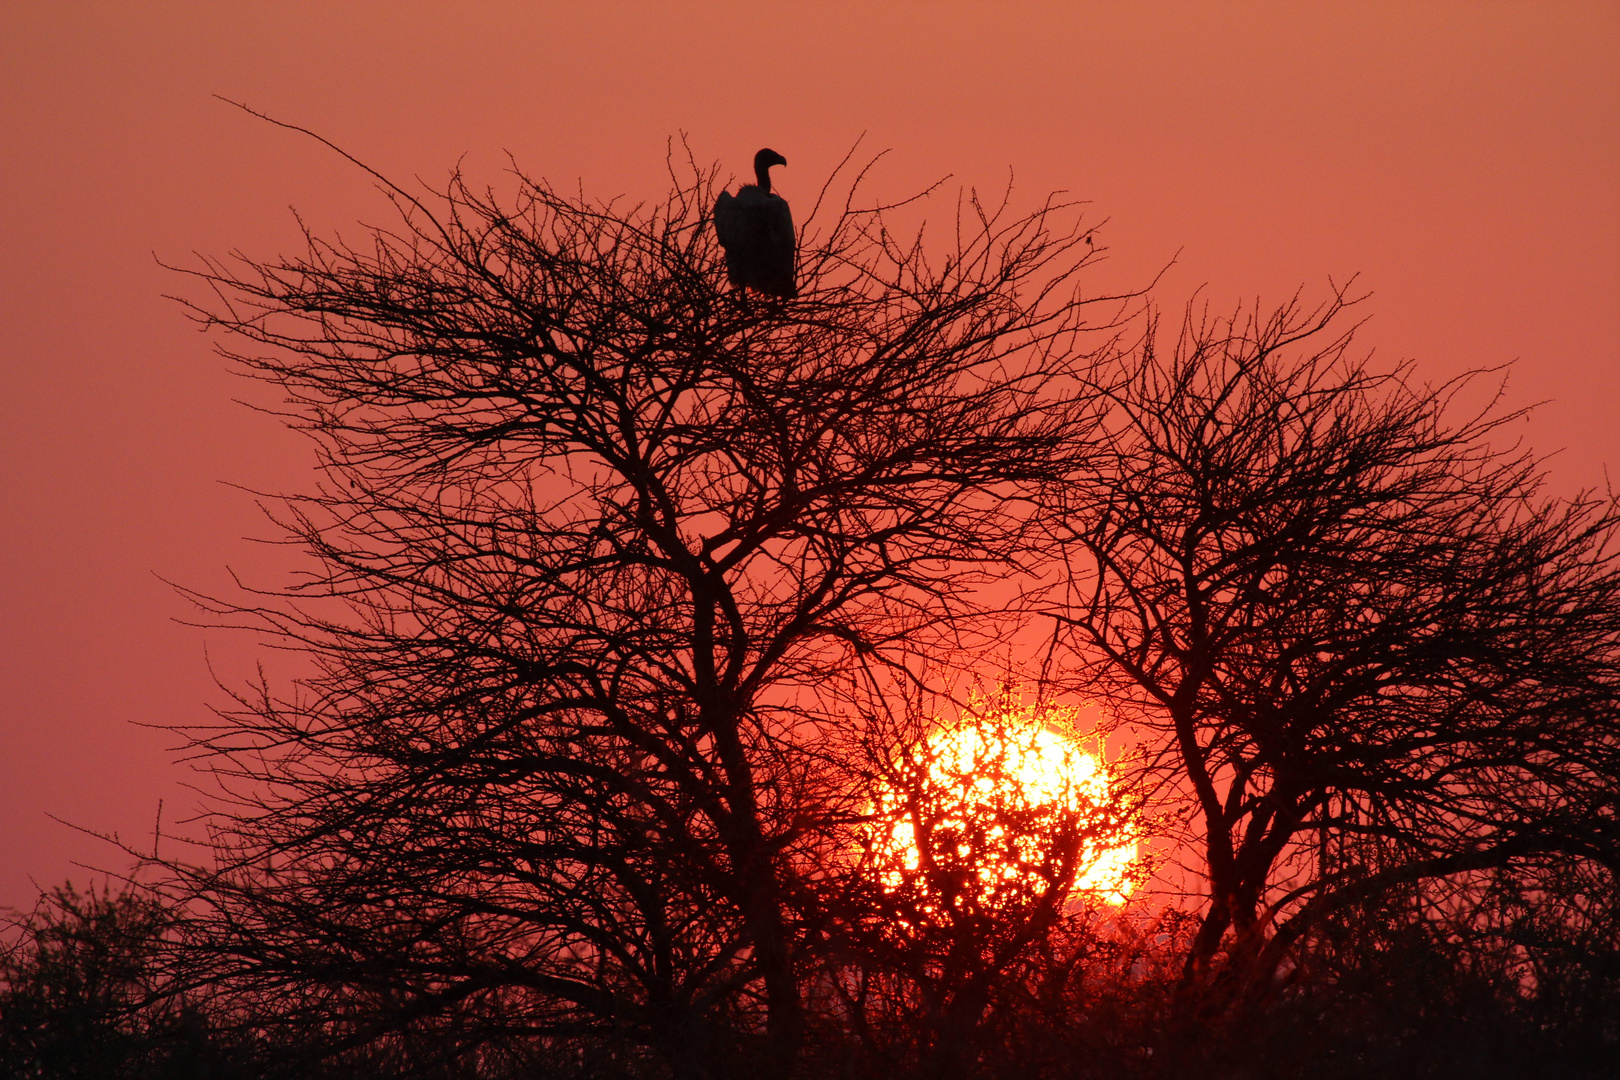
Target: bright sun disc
1005 806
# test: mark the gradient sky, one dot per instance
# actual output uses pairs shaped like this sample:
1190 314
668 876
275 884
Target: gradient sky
1463 159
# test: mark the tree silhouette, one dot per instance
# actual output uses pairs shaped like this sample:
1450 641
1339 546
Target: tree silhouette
595 540
84 992
1355 637
621 583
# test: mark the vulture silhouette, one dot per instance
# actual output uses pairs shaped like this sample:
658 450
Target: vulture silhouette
755 227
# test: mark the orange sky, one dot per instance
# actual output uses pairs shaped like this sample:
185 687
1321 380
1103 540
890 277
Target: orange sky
1464 159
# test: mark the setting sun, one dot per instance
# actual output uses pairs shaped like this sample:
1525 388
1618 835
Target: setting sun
1003 806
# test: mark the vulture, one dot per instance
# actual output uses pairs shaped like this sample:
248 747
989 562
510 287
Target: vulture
756 229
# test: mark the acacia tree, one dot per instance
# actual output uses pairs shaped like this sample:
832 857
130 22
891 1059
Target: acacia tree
1355 638
593 538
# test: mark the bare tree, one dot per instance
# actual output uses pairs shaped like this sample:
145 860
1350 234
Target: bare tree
1358 642
593 538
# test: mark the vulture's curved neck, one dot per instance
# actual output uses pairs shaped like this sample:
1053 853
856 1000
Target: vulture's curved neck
763 173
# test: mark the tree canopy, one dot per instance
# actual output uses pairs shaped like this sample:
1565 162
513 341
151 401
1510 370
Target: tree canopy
603 548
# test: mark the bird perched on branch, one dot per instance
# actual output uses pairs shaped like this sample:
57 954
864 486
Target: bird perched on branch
755 227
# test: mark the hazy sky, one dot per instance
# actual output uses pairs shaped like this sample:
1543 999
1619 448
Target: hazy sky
1463 159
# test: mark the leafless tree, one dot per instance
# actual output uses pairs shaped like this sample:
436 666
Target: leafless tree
594 536
1359 643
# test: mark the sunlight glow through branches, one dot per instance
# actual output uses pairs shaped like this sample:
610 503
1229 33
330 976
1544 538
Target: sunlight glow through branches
1002 808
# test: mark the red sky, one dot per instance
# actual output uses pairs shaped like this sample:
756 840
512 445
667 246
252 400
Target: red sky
1464 159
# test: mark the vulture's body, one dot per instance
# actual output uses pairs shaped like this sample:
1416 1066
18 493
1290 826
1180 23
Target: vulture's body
755 227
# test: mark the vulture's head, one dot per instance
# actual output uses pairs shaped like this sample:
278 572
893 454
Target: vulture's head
762 164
